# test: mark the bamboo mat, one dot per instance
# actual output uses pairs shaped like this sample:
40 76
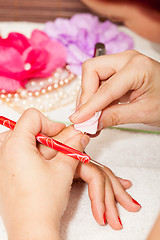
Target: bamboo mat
39 10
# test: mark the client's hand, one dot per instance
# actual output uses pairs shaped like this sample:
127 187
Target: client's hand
105 189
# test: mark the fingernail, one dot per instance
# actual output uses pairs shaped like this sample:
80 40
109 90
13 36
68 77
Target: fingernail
136 202
85 140
104 218
74 115
100 126
120 221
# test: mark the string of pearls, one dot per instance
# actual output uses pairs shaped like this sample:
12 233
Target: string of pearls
44 94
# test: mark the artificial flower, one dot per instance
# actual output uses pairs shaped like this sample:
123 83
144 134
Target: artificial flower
80 34
22 59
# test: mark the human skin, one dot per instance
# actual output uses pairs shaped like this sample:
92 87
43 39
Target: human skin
155 232
30 205
34 192
104 188
130 78
136 15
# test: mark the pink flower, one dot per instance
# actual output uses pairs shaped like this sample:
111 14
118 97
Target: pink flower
22 59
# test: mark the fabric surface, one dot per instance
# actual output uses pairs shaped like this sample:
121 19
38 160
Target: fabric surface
135 156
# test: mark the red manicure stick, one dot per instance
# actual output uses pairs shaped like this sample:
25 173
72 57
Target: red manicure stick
71 152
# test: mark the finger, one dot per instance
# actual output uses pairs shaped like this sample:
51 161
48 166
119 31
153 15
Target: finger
63 136
126 184
33 122
113 89
101 195
121 196
92 73
101 68
68 164
123 113
4 135
95 179
112 215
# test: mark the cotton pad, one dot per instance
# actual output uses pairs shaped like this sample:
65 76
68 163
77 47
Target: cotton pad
90 126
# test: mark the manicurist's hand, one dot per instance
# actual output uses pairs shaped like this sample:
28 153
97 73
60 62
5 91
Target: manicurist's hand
33 191
129 78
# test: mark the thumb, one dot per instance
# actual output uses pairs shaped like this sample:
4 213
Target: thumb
122 114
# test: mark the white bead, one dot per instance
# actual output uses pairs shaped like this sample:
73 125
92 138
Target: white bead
66 80
3 91
41 83
55 85
3 96
33 83
50 105
16 99
9 95
30 94
27 66
50 80
49 88
43 91
36 93
56 75
61 82
23 93
67 67
16 95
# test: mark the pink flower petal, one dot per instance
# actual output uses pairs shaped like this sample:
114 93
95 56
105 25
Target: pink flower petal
16 40
10 59
38 38
57 56
36 57
9 84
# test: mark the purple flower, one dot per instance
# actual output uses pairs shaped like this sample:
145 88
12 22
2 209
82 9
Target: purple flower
80 34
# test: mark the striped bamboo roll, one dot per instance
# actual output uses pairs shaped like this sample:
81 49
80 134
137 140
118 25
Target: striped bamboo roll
39 10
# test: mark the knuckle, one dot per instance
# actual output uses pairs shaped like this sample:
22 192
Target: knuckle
86 65
97 174
31 112
142 60
115 118
133 52
108 171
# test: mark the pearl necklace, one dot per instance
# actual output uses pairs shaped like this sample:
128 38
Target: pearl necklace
44 94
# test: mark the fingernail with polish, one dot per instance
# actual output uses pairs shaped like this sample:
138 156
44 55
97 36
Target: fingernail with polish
120 221
104 218
136 202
